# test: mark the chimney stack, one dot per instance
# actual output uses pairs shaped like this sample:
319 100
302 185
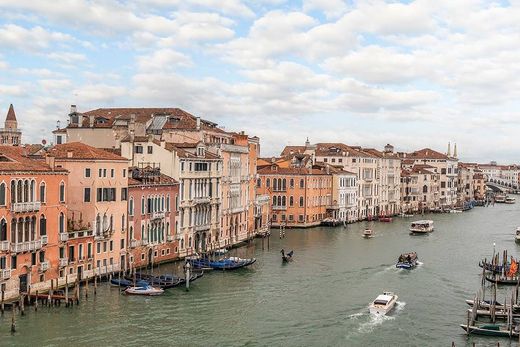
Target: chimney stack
198 123
91 121
73 109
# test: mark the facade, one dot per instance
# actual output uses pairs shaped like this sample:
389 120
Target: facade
33 211
299 193
420 189
97 208
443 164
152 217
10 134
344 195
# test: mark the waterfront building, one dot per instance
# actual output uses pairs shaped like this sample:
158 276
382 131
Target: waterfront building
97 208
33 210
199 174
479 184
445 165
10 134
152 216
420 189
109 128
343 207
300 193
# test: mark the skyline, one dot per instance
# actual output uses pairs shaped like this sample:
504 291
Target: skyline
363 73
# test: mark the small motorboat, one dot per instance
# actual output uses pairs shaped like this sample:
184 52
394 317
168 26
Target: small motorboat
510 200
405 215
148 290
385 219
286 257
123 282
454 210
407 261
491 329
368 234
421 226
517 236
221 251
383 304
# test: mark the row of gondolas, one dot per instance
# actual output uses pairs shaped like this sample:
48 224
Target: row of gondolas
488 315
148 284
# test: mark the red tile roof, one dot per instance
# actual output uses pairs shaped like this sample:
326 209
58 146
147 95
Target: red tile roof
288 150
14 158
78 150
426 153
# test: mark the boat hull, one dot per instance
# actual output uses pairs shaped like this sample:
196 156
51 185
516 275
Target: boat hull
488 332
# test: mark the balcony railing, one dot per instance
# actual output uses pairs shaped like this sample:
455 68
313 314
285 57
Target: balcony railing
135 243
170 238
5 274
19 207
26 246
64 262
202 227
44 266
5 245
64 237
279 207
202 200
157 215
144 242
44 239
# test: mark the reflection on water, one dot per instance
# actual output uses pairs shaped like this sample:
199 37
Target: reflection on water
320 298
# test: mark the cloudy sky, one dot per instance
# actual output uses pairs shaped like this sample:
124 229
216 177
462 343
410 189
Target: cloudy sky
411 73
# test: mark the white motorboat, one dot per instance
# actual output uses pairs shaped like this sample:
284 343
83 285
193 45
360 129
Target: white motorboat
383 304
455 211
367 234
517 236
510 200
421 226
149 290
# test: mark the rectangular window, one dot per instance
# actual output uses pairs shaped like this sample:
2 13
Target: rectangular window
122 243
86 195
111 245
42 256
106 194
124 193
138 149
124 173
71 253
100 173
13 262
87 172
80 251
104 172
104 247
112 173
33 258
150 149
98 247
89 250
3 263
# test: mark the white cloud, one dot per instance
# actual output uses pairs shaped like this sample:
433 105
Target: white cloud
164 59
67 57
37 38
12 90
331 8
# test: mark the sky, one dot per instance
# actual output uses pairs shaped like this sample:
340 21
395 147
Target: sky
413 73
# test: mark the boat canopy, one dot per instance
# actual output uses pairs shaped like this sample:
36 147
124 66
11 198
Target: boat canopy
422 222
383 299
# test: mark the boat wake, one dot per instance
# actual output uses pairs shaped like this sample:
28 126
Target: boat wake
356 315
375 320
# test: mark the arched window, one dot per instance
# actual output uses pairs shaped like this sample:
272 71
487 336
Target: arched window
98 224
189 242
274 200
142 205
291 201
302 183
168 202
268 182
283 201
43 225
301 201
182 243
13 230
284 186
19 191
42 192
131 207
2 194
32 193
33 228
3 230
279 201
131 232
291 183
62 222
62 192
142 232
26 190
275 184
168 232
162 203
105 222
13 192
425 189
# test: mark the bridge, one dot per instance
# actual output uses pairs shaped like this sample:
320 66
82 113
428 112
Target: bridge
501 185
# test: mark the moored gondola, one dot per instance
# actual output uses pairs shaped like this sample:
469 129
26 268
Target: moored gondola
286 257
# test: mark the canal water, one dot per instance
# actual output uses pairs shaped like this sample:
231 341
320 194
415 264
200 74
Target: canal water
320 299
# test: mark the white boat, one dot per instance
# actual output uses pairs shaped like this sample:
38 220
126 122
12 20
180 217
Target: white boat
500 198
151 291
455 211
510 200
383 303
221 251
367 234
421 226
517 236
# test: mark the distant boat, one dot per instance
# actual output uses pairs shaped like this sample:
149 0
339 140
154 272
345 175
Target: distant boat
500 198
385 219
510 200
421 226
149 290
286 257
490 329
383 304
231 263
330 222
368 234
406 215
407 261
517 236
123 282
221 251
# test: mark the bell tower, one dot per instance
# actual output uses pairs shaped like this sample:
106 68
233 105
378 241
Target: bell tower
10 135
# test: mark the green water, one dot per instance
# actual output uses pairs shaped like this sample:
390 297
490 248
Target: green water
320 299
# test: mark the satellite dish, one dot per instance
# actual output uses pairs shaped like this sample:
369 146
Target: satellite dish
44 142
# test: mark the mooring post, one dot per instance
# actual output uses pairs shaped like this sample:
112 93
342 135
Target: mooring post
13 322
187 276
36 302
22 306
3 296
95 284
49 295
86 288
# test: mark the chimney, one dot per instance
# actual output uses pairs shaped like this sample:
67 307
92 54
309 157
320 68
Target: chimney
50 161
198 123
91 121
73 109
70 154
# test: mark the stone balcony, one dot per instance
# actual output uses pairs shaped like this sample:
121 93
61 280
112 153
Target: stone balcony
170 238
135 243
5 245
158 215
5 274
64 262
202 200
280 208
28 246
64 237
202 227
20 207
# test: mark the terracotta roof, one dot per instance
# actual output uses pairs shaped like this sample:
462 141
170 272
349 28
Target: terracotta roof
288 150
14 158
337 149
269 170
426 153
10 113
33 149
78 150
161 179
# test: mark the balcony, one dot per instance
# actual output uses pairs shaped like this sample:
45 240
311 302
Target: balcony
202 227
5 245
158 215
170 238
20 207
64 262
202 200
44 266
64 237
26 246
144 242
44 239
279 208
135 243
5 274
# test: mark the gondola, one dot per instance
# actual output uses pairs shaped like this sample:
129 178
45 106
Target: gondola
166 281
286 257
509 281
123 282
231 263
491 330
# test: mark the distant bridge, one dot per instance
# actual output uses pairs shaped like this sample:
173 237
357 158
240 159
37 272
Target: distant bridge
502 185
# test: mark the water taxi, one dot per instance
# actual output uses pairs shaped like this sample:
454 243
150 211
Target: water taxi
500 198
383 304
510 200
421 226
149 290
367 234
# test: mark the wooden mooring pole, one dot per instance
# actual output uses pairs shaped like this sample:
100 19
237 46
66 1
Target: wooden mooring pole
3 297
36 303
